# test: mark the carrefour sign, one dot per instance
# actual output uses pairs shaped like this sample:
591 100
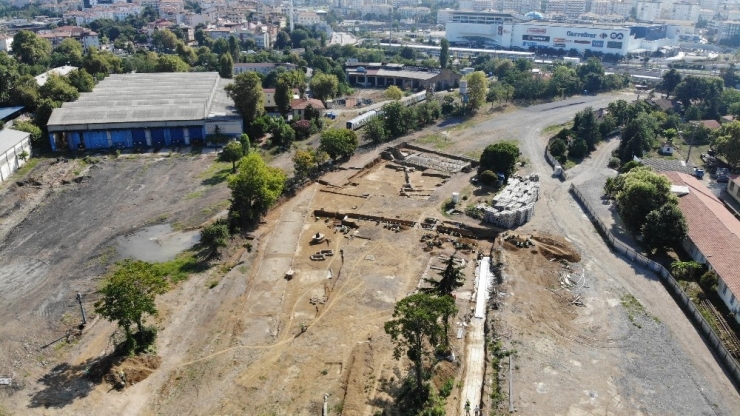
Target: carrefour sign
581 34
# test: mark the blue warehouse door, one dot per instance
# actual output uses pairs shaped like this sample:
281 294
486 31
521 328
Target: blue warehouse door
158 138
122 138
73 140
196 135
139 137
95 139
177 136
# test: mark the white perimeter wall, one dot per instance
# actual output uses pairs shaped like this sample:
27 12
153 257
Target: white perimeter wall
9 161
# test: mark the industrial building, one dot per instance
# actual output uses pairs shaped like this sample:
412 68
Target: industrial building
146 110
502 30
385 74
15 149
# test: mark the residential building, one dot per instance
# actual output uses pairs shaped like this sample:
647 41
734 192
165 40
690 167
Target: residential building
648 11
570 8
444 16
377 9
85 36
406 12
727 29
686 11
307 18
113 12
476 5
299 107
713 236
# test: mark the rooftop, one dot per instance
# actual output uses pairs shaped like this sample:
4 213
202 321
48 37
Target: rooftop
61 71
712 228
130 99
301 104
10 138
9 111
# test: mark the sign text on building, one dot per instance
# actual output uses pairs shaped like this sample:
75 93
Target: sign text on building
581 34
536 38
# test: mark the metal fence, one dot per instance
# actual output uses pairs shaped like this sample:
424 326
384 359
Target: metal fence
670 283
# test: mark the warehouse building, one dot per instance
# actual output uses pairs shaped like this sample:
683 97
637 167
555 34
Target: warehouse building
146 110
15 149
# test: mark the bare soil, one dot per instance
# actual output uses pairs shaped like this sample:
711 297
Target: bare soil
242 338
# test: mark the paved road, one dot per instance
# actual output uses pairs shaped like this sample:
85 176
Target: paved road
341 38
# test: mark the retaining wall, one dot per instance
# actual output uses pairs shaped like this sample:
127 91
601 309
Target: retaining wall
725 358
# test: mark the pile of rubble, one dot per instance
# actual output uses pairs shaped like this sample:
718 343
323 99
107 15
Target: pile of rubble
514 205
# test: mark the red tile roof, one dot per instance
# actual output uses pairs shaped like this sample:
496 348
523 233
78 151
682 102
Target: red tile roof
712 228
301 104
711 124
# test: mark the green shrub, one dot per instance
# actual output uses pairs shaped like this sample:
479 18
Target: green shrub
215 236
578 149
488 178
614 163
558 147
709 281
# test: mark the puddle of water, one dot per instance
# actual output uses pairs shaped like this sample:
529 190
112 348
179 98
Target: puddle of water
157 243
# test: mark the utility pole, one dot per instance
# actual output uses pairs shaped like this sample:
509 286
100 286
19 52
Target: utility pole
82 310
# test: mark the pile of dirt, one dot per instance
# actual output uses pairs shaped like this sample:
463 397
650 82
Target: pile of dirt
131 370
553 248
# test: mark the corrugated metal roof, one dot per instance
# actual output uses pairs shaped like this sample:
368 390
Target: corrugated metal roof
7 111
10 138
142 98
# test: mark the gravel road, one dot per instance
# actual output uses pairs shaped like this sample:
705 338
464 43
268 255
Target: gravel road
665 367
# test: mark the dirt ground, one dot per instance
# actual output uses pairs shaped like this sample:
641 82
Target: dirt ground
250 338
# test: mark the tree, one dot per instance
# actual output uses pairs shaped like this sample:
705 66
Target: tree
727 143
324 86
58 89
234 48
338 143
171 63
244 141
36 134
685 270
246 91
670 80
283 95
578 149
477 90
639 192
43 111
254 188
70 51
81 80
232 152
304 162
396 119
586 127
282 134
451 278
215 236
637 137
558 147
225 66
500 157
444 53
282 40
29 48
128 295
664 228
164 39
414 329
375 130
393 93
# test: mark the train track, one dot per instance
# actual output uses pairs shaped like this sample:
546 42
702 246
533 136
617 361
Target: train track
729 337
